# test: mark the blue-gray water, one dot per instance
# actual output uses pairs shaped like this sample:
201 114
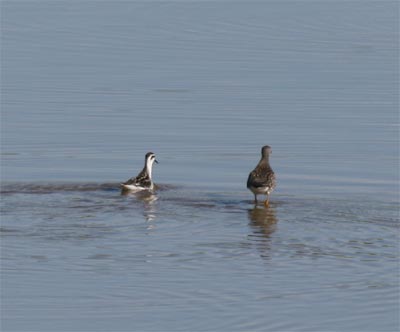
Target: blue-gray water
88 87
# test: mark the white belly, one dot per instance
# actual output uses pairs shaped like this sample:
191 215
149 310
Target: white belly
261 190
132 187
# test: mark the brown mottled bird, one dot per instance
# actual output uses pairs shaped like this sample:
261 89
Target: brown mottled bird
262 179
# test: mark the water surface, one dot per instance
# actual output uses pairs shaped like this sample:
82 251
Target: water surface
89 87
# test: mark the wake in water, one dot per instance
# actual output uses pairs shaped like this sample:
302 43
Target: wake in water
48 188
107 196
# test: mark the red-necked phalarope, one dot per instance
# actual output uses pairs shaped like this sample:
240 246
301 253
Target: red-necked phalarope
143 180
262 179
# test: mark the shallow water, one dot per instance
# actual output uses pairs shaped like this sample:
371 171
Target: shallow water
88 257
88 88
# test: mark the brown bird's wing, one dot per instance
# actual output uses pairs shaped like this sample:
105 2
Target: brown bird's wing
265 178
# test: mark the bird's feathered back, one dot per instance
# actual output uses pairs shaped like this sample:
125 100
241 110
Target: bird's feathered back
262 176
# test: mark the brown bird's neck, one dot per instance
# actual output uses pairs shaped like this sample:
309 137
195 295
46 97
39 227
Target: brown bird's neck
264 161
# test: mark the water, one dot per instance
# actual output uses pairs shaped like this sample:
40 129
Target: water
89 87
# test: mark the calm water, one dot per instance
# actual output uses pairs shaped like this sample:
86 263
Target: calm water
89 87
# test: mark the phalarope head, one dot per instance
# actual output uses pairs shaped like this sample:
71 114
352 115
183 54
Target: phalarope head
150 159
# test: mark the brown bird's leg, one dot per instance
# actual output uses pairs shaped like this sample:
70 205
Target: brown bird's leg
266 203
255 199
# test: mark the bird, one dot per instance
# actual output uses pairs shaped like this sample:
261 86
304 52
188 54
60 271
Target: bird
262 178
143 180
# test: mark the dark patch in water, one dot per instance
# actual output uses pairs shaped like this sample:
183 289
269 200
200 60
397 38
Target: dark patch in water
100 256
33 188
7 230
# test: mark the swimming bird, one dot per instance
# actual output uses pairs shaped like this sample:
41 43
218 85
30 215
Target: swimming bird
143 180
262 179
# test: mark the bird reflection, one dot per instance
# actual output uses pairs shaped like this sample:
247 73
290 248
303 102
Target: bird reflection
263 223
148 198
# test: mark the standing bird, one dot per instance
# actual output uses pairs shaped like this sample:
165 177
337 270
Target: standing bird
262 179
143 180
